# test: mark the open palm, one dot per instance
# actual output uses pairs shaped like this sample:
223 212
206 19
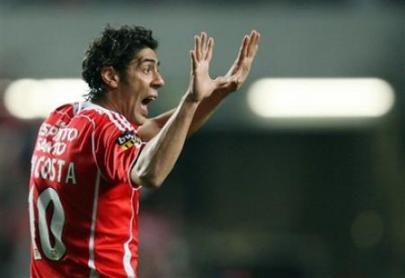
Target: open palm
201 84
240 69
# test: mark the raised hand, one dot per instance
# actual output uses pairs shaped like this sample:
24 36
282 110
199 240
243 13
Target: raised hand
201 84
240 69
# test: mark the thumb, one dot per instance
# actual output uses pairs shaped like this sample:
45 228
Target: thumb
221 81
193 61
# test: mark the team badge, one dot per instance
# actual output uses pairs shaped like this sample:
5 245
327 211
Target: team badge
128 140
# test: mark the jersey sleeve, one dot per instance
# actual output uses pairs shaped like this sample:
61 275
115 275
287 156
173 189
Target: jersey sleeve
116 151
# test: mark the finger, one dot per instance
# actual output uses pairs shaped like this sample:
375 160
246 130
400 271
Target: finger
201 53
252 46
246 45
243 49
222 81
257 38
257 41
193 61
197 44
204 39
210 47
203 45
250 43
226 82
255 45
240 57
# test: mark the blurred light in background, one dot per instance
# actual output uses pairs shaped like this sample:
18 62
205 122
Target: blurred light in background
30 98
320 98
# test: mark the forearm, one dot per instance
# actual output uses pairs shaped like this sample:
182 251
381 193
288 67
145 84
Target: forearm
205 110
161 153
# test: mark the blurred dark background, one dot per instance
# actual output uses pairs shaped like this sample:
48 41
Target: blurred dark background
247 198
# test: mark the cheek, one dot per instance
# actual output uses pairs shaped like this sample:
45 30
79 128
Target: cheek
140 82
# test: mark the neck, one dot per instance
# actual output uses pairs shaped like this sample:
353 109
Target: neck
108 104
117 100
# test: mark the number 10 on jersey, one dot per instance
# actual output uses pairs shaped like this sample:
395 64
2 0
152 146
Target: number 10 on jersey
55 225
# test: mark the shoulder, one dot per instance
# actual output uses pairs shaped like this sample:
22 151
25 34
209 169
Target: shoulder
103 118
86 113
58 118
66 111
110 125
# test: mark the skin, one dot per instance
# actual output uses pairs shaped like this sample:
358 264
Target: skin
165 134
142 81
237 75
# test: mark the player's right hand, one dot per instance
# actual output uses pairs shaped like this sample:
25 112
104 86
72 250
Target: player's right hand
201 84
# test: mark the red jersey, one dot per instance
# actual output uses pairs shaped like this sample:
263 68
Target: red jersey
83 207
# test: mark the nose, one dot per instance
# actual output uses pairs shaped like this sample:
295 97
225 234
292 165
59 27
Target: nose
158 81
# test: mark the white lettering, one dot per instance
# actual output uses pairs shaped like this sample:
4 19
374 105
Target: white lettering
71 174
43 130
33 161
46 169
39 162
57 148
53 169
59 133
66 134
60 166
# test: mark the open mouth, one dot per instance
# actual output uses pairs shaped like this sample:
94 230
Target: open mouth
144 104
148 100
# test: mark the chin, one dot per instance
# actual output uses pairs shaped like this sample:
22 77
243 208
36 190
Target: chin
140 120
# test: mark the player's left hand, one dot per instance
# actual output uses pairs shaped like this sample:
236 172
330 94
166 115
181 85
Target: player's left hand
240 69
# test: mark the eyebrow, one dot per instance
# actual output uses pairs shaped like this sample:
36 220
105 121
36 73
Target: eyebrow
149 60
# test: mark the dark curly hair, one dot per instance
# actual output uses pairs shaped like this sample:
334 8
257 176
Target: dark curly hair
116 48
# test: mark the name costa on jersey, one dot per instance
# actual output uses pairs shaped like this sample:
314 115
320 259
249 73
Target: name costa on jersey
128 140
52 143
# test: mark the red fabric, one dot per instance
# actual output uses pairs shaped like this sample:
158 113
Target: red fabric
78 147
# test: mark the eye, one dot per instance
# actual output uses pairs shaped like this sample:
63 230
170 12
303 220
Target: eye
147 69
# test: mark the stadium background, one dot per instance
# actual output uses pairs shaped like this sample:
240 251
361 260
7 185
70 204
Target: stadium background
246 199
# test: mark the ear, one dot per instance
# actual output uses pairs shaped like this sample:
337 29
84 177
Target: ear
110 77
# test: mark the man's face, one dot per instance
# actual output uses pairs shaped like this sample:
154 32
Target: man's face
140 86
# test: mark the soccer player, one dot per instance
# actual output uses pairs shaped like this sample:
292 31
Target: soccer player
91 158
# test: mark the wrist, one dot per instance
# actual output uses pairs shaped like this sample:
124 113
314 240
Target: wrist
230 89
191 98
222 93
